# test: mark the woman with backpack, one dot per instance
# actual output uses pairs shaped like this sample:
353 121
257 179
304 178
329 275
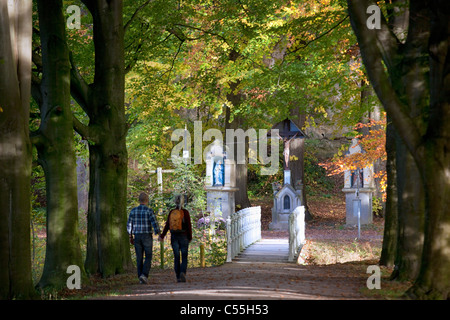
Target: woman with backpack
179 224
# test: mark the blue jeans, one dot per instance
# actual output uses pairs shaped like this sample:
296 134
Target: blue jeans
180 243
143 243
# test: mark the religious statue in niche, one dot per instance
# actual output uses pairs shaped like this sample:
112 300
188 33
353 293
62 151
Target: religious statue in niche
218 173
357 178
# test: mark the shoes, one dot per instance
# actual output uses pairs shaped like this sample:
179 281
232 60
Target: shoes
182 277
143 279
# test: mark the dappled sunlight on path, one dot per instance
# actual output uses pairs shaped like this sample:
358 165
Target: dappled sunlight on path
261 272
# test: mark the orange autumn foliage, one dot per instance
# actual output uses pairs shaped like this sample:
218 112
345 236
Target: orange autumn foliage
373 149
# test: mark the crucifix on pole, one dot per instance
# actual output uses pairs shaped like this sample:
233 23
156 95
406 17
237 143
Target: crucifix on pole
286 149
287 131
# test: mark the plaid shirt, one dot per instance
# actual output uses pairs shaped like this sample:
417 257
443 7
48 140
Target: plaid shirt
141 220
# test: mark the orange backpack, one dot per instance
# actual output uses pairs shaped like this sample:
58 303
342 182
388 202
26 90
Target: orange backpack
176 220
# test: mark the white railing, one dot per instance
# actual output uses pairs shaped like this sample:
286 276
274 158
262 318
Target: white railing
296 232
243 229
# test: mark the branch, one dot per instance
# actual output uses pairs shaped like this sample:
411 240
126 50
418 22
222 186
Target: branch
81 129
36 138
37 59
138 50
125 28
385 40
36 90
178 34
243 8
79 89
173 61
205 31
377 51
134 60
320 36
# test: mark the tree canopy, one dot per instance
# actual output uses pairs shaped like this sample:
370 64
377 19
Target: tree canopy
286 55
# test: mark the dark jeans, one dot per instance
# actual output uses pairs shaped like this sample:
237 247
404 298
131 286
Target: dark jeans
143 243
180 243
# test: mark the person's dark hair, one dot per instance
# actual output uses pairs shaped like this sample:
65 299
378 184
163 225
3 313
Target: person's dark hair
180 200
143 197
177 200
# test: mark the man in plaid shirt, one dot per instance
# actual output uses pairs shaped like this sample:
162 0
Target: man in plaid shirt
140 223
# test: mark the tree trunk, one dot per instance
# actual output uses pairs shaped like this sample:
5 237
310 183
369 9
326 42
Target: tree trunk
398 22
235 97
108 250
55 149
433 160
241 196
433 281
298 150
15 150
389 247
411 212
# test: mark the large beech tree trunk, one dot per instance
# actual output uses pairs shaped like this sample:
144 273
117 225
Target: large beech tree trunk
108 250
389 247
54 142
411 212
410 197
433 158
15 149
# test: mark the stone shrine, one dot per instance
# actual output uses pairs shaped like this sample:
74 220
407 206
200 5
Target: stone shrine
220 181
358 184
285 200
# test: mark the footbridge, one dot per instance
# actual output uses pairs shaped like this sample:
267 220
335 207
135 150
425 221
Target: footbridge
245 245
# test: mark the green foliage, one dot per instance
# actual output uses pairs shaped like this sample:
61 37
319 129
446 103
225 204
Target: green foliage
38 195
316 179
377 206
188 179
38 247
261 185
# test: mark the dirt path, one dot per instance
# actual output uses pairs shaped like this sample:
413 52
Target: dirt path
254 282
249 280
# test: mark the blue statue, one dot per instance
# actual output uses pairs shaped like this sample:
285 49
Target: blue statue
218 173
